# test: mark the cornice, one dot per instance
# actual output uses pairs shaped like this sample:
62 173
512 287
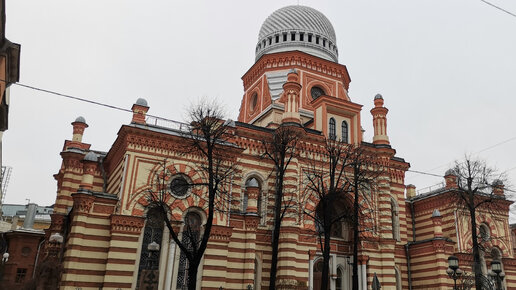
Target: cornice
126 224
295 59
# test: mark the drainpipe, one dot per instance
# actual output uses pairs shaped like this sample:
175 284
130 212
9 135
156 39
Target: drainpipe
103 172
230 198
407 246
413 221
37 258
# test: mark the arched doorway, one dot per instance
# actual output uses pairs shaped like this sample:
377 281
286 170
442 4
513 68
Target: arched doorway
190 238
317 274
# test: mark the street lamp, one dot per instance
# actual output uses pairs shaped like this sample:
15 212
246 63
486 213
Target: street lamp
496 273
5 258
453 270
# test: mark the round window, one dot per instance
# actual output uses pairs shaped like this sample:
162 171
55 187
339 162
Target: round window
316 92
25 251
179 186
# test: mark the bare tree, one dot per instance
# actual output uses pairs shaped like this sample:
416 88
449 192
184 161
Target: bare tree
365 169
206 140
328 185
280 148
478 189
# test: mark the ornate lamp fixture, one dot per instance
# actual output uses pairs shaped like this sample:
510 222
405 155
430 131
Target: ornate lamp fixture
453 270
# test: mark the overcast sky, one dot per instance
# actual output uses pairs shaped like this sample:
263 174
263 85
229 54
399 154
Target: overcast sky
446 69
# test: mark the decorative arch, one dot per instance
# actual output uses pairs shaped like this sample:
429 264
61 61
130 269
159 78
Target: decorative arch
193 221
139 201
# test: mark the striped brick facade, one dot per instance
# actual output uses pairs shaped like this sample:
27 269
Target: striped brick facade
101 202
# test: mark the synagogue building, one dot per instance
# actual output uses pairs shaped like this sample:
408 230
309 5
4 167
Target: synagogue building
101 230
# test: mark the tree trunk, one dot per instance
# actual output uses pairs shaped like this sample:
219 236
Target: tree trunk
356 206
276 231
326 260
477 267
192 276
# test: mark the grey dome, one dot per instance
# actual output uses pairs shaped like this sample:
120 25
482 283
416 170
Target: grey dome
80 119
497 182
277 30
378 96
91 156
141 102
449 172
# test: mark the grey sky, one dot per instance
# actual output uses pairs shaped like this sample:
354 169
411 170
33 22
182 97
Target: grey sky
446 70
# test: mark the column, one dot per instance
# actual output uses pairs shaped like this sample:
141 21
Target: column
360 277
364 276
170 264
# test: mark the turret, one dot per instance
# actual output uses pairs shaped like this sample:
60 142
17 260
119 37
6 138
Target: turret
379 113
89 165
437 222
450 178
411 191
290 97
139 109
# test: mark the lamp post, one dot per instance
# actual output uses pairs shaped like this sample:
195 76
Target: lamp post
497 274
453 270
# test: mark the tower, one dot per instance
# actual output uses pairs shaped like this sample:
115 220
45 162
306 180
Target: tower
296 77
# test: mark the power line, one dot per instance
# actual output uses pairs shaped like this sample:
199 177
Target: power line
499 8
424 173
130 111
480 151
84 100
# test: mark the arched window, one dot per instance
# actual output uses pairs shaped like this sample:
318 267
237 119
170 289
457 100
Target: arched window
346 231
191 238
245 202
149 256
395 220
339 281
332 130
252 196
336 230
485 233
344 131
